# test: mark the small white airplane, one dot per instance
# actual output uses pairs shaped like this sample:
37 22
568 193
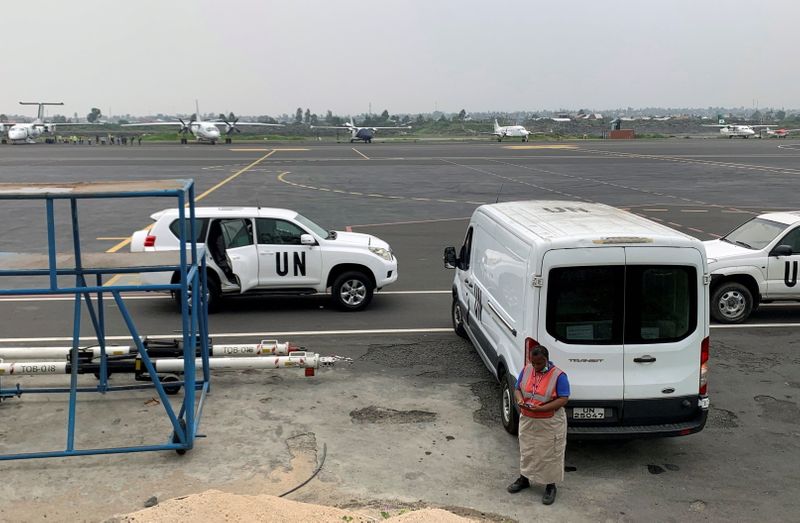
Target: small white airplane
730 130
359 133
511 131
22 132
204 131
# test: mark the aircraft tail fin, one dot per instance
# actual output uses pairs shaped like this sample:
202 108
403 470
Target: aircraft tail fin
496 126
197 110
40 114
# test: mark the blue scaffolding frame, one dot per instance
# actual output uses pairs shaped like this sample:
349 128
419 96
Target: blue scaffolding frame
188 261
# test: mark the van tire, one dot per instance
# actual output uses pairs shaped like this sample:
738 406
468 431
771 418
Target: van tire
731 302
352 291
457 314
509 415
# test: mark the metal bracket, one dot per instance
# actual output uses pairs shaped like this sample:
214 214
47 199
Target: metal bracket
537 281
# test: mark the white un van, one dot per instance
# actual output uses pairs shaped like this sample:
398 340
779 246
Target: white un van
620 302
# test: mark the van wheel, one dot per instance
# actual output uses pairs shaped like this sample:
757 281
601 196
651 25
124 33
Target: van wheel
352 291
731 302
508 411
458 318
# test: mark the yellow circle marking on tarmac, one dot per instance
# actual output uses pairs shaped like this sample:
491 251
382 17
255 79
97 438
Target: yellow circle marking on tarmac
554 146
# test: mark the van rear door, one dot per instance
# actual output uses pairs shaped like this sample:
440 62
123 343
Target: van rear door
664 322
581 323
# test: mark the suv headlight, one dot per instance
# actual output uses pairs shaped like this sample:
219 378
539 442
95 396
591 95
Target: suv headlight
386 254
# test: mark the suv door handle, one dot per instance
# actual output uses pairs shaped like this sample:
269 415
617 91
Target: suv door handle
644 359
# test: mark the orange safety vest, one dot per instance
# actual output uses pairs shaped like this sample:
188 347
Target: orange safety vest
537 392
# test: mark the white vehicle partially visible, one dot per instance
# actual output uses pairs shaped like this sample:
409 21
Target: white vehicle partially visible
274 251
755 263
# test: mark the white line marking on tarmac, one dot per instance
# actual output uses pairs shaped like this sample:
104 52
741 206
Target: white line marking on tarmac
431 330
26 299
365 332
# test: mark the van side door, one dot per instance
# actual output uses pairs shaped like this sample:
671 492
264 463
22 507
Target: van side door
283 260
665 322
782 271
580 321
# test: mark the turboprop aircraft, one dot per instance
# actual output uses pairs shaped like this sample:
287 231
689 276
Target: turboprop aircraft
511 131
730 130
204 131
28 132
358 133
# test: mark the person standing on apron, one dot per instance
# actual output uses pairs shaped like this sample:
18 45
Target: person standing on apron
541 392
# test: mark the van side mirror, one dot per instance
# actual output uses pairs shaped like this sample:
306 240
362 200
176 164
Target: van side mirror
782 250
307 239
450 259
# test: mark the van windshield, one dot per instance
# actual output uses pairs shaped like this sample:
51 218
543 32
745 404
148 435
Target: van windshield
615 305
755 234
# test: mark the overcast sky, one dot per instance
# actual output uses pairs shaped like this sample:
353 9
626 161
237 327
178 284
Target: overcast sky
269 57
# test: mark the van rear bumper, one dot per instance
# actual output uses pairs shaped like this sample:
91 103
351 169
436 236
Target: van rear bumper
660 430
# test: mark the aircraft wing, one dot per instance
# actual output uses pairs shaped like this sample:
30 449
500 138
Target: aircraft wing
150 124
237 124
329 127
401 127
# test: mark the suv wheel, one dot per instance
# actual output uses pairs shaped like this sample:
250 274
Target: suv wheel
508 411
731 302
458 318
213 296
352 291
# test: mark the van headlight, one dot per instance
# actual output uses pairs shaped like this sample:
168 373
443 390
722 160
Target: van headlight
386 254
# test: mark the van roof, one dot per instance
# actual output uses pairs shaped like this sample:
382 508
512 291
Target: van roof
588 224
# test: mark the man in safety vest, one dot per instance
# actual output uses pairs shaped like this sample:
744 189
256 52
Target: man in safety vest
542 391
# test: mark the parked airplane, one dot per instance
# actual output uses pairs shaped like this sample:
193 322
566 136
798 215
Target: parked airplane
511 131
780 133
21 132
358 133
731 130
204 131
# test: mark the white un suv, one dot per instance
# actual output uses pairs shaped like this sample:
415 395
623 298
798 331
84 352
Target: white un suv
755 263
275 251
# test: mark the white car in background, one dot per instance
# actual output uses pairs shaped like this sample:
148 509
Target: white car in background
755 263
275 251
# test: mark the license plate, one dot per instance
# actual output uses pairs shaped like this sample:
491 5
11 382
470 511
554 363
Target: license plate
588 413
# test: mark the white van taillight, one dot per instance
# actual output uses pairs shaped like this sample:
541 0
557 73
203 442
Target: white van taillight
150 241
530 343
704 367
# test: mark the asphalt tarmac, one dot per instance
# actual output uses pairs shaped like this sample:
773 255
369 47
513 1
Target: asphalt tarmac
415 417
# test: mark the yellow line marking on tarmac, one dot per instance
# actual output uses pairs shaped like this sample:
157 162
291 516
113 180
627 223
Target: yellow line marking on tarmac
126 241
524 147
242 150
359 152
694 210
112 280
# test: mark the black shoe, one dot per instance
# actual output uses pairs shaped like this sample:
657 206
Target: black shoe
549 494
520 484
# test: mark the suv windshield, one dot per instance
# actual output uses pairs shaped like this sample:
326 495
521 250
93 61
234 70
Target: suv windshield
755 234
319 231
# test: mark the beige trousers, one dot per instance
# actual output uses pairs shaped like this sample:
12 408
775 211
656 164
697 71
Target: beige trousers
542 442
